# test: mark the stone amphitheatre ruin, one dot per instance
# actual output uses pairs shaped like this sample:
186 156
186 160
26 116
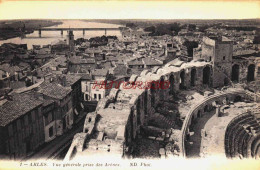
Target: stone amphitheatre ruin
211 91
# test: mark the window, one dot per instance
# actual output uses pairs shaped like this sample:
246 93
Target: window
50 131
224 57
86 97
99 96
50 118
95 96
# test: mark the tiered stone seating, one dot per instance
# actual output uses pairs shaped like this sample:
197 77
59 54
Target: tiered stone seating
242 137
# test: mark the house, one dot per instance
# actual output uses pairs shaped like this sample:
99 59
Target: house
90 86
73 81
135 64
78 64
21 126
59 47
62 97
150 62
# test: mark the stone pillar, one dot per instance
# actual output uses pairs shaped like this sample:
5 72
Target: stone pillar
218 112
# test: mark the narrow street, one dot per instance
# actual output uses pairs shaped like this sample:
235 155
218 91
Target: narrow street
52 149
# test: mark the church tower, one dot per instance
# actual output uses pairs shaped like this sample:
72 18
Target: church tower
70 40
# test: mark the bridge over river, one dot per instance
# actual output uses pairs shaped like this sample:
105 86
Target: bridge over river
78 29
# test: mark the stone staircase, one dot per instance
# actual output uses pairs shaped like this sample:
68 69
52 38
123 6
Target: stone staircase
161 121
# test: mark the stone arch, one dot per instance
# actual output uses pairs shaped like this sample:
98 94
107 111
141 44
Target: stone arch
199 113
182 80
251 73
144 72
193 77
206 75
238 98
171 83
162 88
133 78
226 82
145 102
235 73
192 118
155 69
153 87
206 108
132 116
138 109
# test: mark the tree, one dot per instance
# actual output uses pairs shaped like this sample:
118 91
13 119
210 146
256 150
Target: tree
130 25
150 29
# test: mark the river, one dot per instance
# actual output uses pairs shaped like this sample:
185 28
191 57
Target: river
48 37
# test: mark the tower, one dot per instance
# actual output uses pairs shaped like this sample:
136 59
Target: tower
219 51
70 40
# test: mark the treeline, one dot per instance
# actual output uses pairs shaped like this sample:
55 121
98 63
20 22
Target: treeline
96 41
173 29
164 29
240 28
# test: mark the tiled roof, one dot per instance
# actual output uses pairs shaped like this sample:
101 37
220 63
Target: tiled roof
20 105
79 60
100 72
54 90
135 62
71 79
9 69
150 61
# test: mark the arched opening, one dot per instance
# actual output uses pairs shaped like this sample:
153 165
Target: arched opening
225 81
206 75
193 77
199 113
182 79
238 99
206 108
235 73
153 93
162 88
73 153
138 112
251 73
145 102
132 124
192 118
171 84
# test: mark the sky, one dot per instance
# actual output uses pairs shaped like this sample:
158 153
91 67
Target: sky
129 9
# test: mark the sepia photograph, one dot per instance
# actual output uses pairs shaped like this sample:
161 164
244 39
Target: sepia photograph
141 84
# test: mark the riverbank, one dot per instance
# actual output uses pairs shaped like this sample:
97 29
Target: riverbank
19 28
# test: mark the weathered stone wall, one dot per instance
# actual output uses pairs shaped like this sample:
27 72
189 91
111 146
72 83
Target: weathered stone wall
243 68
135 106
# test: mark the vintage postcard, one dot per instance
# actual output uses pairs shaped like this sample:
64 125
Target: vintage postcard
129 84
